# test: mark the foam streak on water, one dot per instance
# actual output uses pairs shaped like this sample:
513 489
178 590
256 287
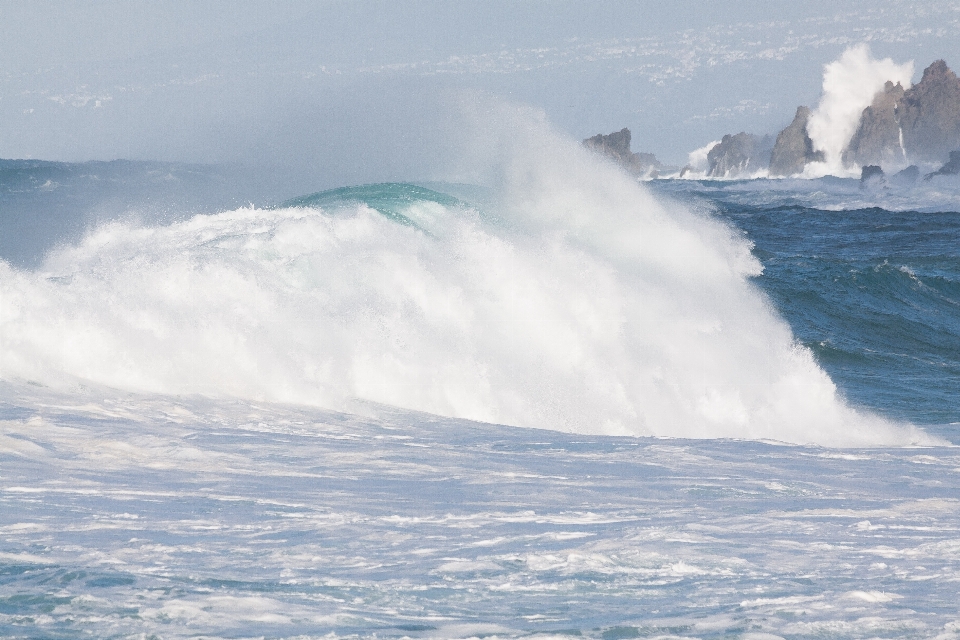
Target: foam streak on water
123 515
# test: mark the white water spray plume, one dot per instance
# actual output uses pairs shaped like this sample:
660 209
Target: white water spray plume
698 160
577 302
849 86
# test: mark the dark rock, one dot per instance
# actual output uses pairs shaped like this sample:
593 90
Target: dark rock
794 148
871 176
907 177
877 140
921 123
646 162
951 168
740 154
929 114
617 146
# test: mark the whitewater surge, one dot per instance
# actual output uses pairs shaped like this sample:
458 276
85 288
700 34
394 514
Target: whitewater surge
849 86
572 301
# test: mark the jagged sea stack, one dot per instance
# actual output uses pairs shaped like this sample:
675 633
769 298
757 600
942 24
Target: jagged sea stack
743 153
929 115
616 145
951 168
877 140
794 148
871 176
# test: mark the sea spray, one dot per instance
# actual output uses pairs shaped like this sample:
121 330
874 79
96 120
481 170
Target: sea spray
849 86
698 162
574 300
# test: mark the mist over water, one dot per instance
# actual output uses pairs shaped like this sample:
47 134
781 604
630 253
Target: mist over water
571 300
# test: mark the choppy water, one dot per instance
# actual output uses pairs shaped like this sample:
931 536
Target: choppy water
126 515
232 425
869 280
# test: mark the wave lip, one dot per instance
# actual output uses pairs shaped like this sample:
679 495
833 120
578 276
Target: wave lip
392 199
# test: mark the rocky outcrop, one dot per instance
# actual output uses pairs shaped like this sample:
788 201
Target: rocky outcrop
794 148
877 140
906 177
921 124
929 114
871 176
951 168
616 146
917 125
740 154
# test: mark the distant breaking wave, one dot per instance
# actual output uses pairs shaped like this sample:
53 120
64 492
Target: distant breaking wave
572 300
849 86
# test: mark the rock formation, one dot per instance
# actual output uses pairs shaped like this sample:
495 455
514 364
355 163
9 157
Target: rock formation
877 140
907 177
951 168
929 114
741 154
794 148
871 176
921 124
617 146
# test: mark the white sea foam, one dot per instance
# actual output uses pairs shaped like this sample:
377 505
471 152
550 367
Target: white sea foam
698 166
698 161
302 522
849 86
578 303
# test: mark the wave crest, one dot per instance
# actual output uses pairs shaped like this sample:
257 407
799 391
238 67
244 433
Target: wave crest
575 301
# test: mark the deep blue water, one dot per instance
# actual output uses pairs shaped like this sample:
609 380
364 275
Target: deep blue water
875 293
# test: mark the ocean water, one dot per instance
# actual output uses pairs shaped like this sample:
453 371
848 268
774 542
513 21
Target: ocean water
556 403
867 278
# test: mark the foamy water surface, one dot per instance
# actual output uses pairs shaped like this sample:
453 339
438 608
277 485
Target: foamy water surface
125 515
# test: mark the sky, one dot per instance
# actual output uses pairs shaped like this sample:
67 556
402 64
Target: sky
349 92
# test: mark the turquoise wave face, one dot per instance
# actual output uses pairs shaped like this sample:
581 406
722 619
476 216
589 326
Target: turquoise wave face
391 199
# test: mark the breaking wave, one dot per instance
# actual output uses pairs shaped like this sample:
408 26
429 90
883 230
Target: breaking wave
849 86
570 299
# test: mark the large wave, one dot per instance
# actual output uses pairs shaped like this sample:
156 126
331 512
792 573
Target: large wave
571 300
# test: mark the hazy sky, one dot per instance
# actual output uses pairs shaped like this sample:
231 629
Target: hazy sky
353 91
